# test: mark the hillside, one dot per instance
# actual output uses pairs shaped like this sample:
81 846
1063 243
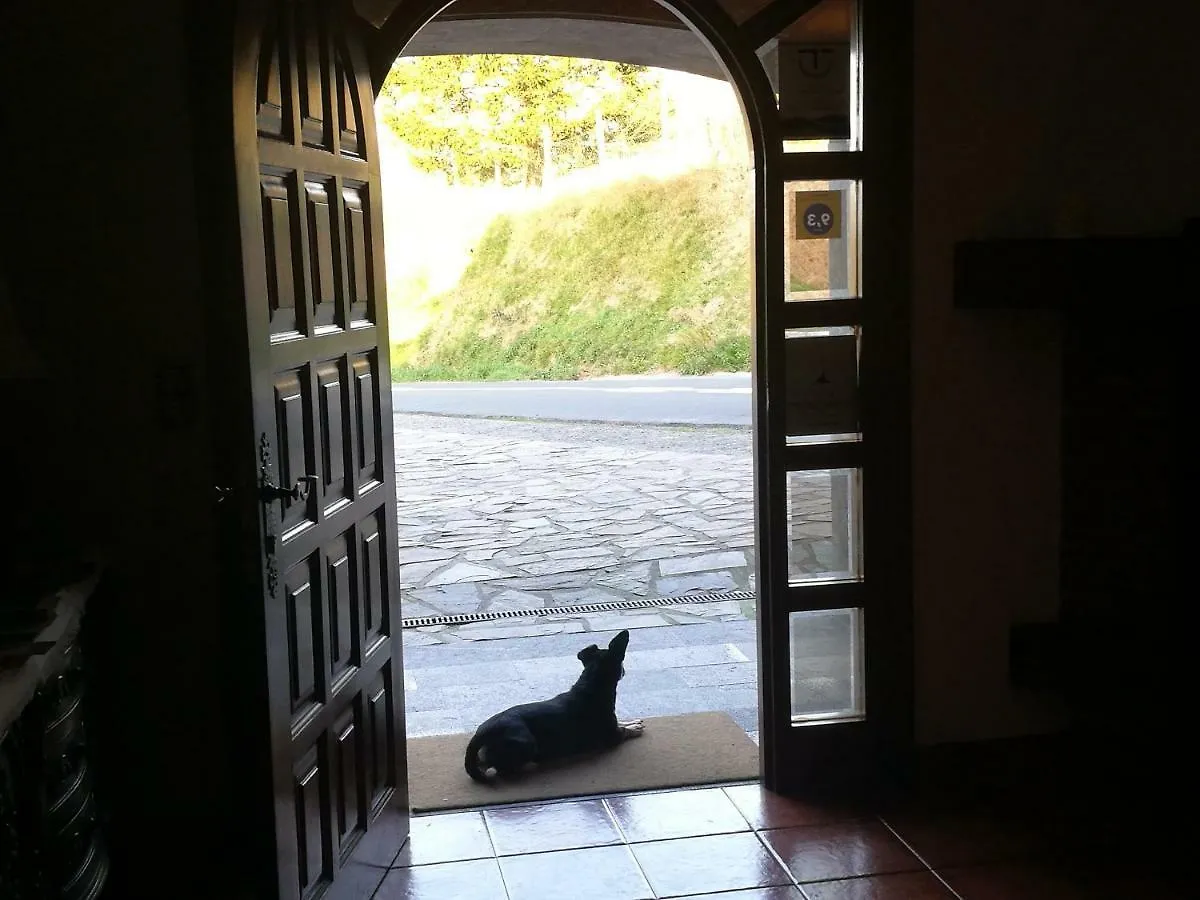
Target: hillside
648 275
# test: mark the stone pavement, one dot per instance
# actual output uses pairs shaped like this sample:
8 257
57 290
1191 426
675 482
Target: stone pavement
668 671
517 515
529 516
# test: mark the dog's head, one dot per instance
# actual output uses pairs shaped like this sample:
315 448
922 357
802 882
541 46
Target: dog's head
606 664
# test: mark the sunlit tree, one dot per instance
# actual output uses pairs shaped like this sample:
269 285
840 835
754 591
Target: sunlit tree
517 119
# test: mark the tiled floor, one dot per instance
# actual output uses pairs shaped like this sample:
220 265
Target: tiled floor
741 843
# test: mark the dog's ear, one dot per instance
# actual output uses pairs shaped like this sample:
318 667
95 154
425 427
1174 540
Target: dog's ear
619 643
588 653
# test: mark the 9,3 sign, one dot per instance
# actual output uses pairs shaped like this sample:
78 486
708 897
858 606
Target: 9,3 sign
818 215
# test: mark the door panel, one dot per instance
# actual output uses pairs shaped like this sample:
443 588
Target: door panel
312 260
832 438
303 625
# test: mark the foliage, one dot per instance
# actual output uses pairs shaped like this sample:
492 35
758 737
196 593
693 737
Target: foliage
642 277
483 117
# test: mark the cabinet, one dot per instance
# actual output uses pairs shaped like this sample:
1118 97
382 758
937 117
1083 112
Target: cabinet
51 841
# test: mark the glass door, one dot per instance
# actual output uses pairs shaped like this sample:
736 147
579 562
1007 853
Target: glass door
832 435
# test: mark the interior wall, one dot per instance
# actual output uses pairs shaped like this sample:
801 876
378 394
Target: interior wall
1061 119
101 246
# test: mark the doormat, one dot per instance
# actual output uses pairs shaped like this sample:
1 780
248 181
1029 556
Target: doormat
674 751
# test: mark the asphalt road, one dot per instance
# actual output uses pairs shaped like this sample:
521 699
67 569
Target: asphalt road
628 399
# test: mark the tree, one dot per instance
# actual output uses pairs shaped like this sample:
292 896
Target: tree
486 116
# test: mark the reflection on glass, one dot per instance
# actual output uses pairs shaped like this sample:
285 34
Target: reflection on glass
820 240
826 665
823 525
821 384
813 66
811 146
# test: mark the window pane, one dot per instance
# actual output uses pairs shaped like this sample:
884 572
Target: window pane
826 665
823 516
813 67
821 384
820 240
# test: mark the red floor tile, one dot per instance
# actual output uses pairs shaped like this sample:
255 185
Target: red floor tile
697 845
1071 878
449 837
1024 879
477 879
654 817
826 852
762 809
902 886
596 873
769 893
960 839
722 862
555 826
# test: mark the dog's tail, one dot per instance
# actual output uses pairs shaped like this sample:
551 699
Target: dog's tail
471 761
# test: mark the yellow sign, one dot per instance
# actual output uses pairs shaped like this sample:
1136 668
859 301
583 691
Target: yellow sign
818 215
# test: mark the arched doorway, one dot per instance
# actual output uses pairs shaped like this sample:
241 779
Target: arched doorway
317 455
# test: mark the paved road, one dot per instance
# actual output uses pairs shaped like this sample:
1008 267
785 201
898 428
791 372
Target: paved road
634 399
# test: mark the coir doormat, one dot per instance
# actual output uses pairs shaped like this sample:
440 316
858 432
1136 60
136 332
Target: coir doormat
674 751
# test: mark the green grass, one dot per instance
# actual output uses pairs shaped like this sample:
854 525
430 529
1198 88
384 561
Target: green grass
646 276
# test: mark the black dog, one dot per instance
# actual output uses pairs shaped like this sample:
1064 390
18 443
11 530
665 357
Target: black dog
580 720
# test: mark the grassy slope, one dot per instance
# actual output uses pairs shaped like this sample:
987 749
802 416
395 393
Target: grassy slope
644 276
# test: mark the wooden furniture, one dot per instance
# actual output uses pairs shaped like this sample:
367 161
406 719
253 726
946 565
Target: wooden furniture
51 845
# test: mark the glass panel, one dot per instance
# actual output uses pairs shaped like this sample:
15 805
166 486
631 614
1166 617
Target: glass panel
805 146
824 525
813 67
826 665
821 384
821 240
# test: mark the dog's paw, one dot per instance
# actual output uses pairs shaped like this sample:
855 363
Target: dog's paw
632 729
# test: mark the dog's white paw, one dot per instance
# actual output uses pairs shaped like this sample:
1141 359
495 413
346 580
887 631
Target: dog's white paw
490 773
632 729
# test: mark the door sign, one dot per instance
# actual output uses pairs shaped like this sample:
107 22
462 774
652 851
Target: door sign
822 385
814 88
818 215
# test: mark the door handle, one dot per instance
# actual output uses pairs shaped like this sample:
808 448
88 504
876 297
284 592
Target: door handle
270 491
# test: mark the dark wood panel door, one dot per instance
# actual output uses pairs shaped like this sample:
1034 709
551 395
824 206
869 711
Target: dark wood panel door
312 251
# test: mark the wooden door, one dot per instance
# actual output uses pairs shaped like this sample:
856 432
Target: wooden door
832 457
312 254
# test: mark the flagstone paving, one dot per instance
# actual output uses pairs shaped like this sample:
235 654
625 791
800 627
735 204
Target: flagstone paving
503 515
518 515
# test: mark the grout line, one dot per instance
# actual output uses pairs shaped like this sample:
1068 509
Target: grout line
616 822
930 869
738 809
491 837
779 859
495 853
625 842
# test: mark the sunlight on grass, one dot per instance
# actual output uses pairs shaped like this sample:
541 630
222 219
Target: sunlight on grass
640 265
